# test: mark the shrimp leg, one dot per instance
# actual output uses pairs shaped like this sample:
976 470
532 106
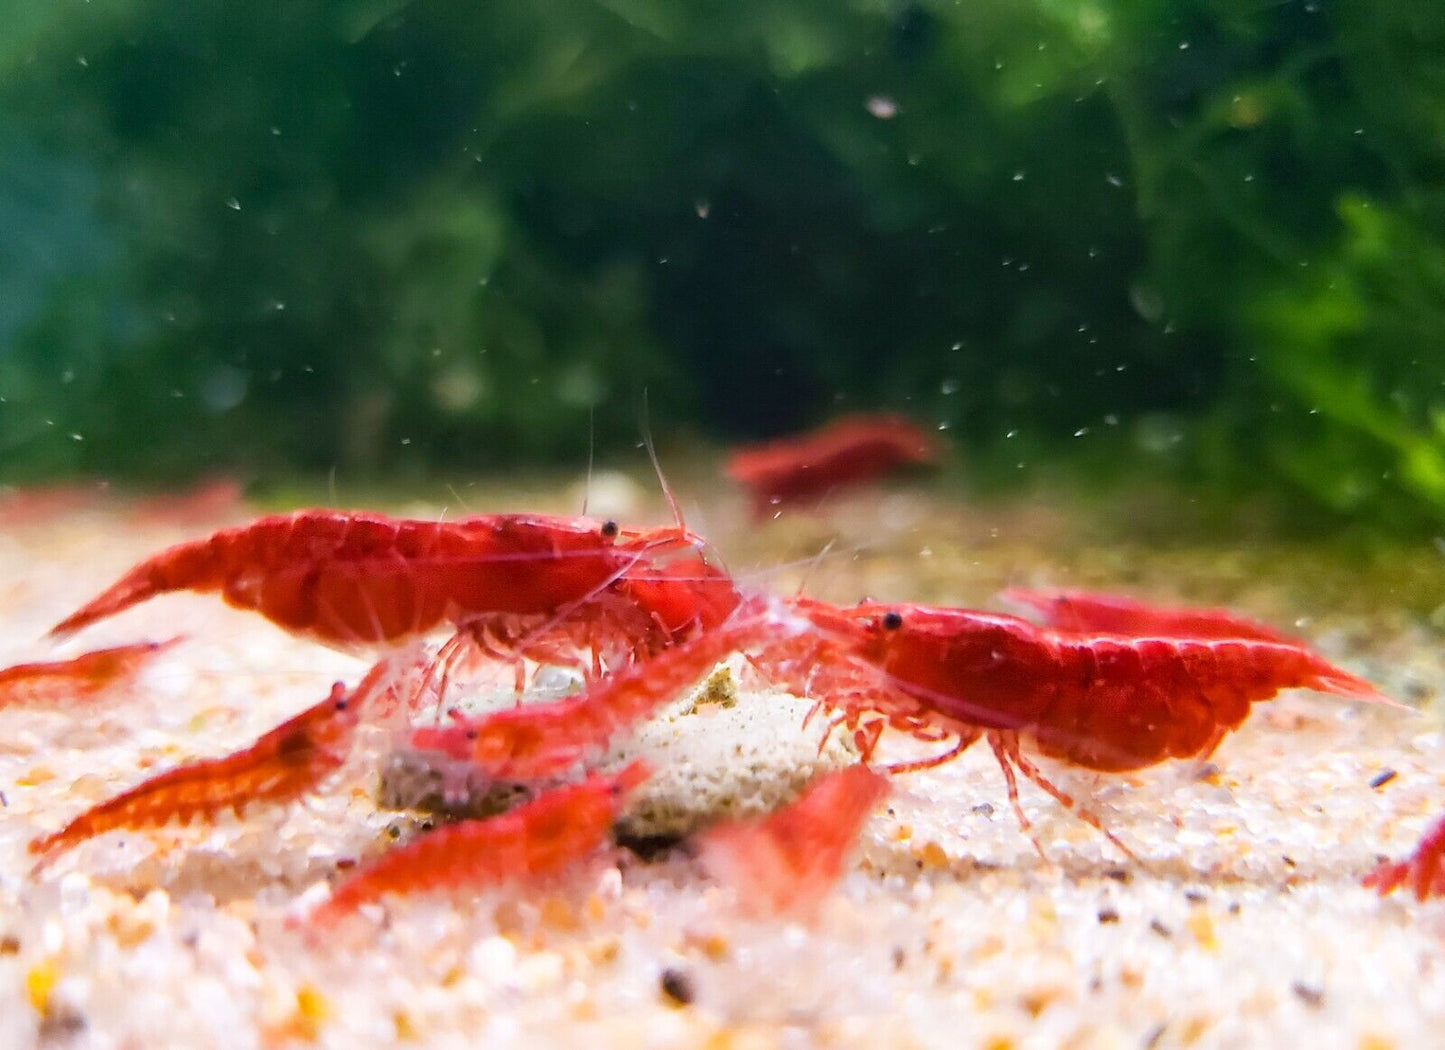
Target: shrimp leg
1424 869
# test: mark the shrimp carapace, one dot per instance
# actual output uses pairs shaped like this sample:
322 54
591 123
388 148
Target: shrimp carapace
788 860
80 677
847 451
532 841
281 766
1110 703
1095 613
352 579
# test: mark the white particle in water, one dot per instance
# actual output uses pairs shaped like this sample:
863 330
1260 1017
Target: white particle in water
882 107
233 204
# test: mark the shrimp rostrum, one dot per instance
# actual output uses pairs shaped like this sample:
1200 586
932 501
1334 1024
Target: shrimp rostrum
1108 703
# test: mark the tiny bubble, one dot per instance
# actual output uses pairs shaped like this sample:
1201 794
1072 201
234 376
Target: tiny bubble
233 204
406 441
1081 432
76 437
81 60
1113 180
881 107
948 386
1019 176
702 207
1184 45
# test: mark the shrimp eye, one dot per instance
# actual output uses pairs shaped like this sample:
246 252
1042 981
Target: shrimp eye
892 620
472 734
342 704
609 529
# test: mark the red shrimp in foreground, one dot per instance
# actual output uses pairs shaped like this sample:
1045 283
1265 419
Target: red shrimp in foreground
1423 871
848 451
356 579
1090 612
1105 703
536 741
280 767
787 861
534 840
81 677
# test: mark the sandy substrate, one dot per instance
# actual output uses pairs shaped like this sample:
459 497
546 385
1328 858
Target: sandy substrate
1243 926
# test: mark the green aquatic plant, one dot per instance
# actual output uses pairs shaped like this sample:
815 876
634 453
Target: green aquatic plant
1356 346
398 235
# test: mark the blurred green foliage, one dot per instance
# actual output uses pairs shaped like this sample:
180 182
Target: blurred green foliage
1207 236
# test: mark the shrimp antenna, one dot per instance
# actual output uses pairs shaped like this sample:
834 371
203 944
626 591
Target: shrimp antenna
460 502
813 564
591 448
657 466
